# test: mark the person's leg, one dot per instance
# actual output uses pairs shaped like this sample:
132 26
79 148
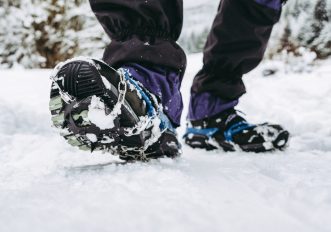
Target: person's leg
235 45
142 31
144 35
130 102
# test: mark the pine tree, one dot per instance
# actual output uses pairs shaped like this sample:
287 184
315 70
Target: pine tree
320 43
285 39
304 24
40 33
319 18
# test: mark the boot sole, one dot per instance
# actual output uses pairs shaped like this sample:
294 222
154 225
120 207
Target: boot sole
207 143
81 79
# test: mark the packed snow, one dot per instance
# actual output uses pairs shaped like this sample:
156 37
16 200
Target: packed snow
46 185
97 116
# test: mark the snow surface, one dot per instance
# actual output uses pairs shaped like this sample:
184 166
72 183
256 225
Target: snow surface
46 185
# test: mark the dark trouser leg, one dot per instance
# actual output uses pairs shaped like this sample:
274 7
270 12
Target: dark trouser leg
235 45
144 35
142 31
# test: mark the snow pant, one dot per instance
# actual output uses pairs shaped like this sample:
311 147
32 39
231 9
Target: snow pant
144 35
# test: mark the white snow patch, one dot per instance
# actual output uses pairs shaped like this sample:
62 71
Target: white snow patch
281 143
268 145
267 132
106 82
97 114
92 137
106 140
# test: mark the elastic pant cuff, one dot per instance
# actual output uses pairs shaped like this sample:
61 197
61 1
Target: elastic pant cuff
159 52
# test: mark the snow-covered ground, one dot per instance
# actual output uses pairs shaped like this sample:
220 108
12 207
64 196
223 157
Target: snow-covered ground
45 185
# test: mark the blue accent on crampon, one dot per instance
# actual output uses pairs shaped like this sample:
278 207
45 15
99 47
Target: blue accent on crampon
166 123
209 132
150 108
228 134
151 112
235 129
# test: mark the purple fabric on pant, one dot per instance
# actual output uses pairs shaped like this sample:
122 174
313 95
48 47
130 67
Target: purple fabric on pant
166 85
163 83
203 105
274 4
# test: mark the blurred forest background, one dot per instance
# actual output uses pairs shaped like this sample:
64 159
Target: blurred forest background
40 33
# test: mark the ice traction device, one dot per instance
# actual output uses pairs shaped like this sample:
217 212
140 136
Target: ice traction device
96 107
